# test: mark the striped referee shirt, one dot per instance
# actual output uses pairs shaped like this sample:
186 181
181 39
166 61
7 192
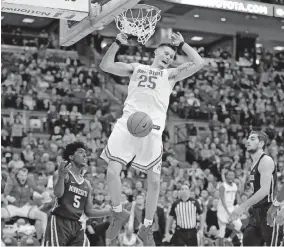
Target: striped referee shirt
185 213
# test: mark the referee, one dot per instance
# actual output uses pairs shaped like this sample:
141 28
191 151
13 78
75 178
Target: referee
184 211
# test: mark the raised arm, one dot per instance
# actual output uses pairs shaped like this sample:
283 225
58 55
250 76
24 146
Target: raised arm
116 68
60 179
196 62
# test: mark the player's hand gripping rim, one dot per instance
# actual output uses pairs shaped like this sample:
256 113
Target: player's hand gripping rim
122 38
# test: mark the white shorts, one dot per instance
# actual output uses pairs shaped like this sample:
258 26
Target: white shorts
25 211
223 215
141 153
223 220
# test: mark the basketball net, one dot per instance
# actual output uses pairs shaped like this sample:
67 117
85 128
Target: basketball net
139 21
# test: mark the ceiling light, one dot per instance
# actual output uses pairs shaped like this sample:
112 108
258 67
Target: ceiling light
258 45
282 27
196 15
223 19
28 20
278 48
197 38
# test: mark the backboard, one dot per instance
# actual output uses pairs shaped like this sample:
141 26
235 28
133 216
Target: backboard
100 15
78 18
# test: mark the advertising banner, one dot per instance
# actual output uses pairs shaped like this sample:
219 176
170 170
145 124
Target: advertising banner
43 12
231 5
75 5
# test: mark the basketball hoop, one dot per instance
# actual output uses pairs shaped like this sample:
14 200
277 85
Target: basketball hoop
139 21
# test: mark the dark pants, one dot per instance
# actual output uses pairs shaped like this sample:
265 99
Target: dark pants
158 238
98 239
184 237
258 232
64 232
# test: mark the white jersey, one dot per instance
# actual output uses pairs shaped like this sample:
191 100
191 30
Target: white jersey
149 91
229 194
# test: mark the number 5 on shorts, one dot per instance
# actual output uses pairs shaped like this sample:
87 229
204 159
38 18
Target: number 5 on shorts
76 203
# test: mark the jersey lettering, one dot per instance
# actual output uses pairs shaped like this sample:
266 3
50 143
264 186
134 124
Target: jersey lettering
78 191
147 81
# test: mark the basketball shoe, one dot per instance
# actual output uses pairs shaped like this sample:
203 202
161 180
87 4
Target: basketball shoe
118 220
146 235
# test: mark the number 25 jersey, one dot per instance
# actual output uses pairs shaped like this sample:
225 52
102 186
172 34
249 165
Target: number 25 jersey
149 91
72 204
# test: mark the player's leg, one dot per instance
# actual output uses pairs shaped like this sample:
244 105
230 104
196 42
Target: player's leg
80 238
237 226
251 234
40 217
117 155
271 235
149 159
57 231
221 232
145 232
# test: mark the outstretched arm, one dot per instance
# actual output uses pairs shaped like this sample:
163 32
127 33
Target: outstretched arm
117 68
187 69
90 211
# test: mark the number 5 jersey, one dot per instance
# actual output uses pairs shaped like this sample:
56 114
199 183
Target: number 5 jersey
72 204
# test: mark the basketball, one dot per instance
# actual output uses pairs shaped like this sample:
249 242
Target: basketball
139 124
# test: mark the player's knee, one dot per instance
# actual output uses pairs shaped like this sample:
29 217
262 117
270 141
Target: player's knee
114 169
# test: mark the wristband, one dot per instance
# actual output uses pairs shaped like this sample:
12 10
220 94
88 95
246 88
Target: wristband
181 45
118 42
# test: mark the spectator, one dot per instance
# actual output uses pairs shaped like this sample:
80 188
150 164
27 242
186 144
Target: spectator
17 193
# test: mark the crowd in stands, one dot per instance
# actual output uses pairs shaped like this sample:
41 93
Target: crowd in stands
70 100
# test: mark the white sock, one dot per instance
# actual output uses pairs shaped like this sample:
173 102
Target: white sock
117 208
148 222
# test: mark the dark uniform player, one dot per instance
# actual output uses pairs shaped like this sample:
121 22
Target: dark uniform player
73 206
263 178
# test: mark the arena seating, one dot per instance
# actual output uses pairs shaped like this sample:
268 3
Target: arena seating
50 101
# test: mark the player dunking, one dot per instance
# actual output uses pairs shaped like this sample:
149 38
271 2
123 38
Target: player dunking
228 191
263 178
149 90
74 201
